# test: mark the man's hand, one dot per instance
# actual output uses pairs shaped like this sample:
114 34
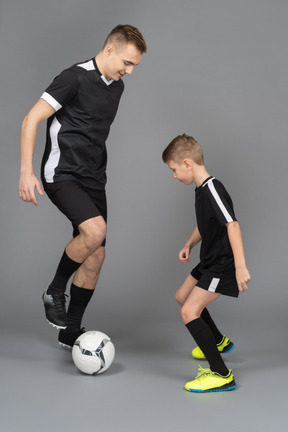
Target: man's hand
27 185
28 182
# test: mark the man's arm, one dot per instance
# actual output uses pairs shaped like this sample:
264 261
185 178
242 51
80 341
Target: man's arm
28 182
193 241
235 238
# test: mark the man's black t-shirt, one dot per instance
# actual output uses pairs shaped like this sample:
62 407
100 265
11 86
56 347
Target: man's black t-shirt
86 105
214 209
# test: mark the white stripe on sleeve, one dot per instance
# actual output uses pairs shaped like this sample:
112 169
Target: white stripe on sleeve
219 201
51 101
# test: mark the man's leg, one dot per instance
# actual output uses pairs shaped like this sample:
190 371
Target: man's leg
82 289
92 232
76 257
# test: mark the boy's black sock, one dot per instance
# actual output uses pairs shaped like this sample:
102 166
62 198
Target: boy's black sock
209 321
64 271
204 338
79 299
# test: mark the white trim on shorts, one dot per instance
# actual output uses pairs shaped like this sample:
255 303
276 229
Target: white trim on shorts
213 285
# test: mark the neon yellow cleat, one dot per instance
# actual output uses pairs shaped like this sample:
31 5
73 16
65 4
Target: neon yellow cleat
224 346
207 381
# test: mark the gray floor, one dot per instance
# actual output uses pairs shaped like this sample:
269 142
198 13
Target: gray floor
41 390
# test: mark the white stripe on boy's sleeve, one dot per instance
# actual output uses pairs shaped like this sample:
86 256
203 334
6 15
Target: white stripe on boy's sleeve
218 200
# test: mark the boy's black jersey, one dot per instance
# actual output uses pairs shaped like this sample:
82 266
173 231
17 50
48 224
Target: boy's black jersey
86 105
214 209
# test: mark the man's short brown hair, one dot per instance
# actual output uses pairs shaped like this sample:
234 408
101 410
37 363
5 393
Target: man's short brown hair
123 34
181 147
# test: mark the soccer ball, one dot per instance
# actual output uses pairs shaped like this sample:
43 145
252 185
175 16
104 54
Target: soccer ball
93 352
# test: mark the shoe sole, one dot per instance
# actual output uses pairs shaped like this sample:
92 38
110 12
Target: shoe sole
55 325
227 349
52 324
62 345
221 352
226 387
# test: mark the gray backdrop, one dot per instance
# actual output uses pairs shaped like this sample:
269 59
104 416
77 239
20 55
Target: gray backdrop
214 69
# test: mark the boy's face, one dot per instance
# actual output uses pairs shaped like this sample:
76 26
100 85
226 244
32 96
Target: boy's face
121 61
182 171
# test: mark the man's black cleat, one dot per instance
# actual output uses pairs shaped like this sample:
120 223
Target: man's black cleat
67 338
55 309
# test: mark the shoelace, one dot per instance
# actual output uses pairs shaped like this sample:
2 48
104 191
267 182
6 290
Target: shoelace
203 372
206 371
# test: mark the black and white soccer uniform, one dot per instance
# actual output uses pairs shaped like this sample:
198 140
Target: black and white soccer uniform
214 209
73 169
86 105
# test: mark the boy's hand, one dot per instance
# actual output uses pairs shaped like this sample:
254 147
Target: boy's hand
184 254
242 277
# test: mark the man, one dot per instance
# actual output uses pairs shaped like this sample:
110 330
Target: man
80 105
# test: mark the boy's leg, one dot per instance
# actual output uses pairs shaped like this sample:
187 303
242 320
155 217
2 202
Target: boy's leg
211 324
181 296
224 344
218 377
185 289
200 331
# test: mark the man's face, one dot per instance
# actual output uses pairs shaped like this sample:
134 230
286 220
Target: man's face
121 61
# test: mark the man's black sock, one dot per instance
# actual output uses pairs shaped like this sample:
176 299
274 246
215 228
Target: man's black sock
204 338
79 299
65 270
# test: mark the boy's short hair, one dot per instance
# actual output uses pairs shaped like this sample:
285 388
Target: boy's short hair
181 147
123 34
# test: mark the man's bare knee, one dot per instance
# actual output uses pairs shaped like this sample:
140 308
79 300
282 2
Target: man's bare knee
93 232
95 261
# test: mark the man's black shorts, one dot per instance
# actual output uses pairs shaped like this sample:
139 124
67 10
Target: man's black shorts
77 203
225 284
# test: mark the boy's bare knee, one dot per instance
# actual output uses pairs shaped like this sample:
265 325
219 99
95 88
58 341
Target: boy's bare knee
178 298
183 313
188 314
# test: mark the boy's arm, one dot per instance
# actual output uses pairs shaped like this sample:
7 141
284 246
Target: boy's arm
28 182
193 240
235 238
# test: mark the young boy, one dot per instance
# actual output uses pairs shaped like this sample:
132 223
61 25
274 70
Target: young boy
222 268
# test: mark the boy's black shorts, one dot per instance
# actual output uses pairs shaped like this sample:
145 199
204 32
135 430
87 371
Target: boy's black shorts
225 284
77 203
